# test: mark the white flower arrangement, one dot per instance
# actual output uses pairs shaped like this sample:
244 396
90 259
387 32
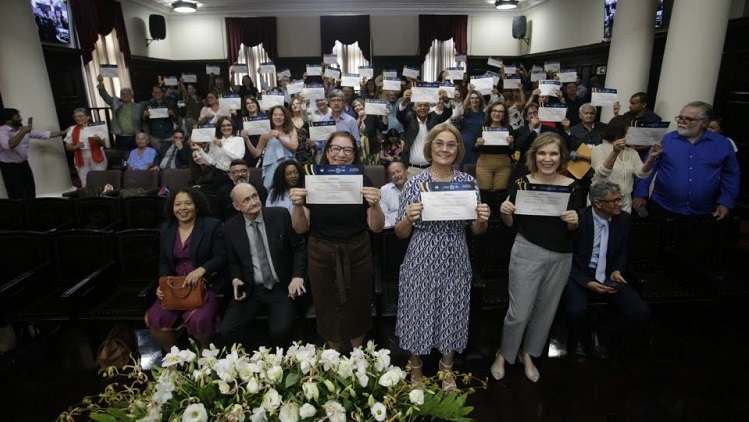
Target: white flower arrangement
303 384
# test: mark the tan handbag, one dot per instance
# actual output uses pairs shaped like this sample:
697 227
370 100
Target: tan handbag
179 297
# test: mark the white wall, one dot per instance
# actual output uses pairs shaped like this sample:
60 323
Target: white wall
562 24
136 22
394 35
491 35
298 36
196 38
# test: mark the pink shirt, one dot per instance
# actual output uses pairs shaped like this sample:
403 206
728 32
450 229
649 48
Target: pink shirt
20 153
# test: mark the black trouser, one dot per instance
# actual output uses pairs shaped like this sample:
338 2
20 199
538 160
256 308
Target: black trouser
281 313
125 143
19 180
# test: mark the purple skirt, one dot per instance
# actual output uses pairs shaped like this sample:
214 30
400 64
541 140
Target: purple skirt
204 320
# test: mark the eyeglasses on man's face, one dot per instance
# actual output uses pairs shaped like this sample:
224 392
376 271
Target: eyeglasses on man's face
617 200
239 172
336 149
687 120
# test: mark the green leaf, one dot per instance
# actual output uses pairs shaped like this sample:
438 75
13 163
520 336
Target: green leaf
102 417
291 379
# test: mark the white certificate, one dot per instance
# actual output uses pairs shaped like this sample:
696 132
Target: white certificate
410 72
494 61
171 81
513 83
314 92
267 67
351 79
295 87
483 84
158 113
229 102
271 100
314 70
238 68
389 73
344 189
567 76
461 58
538 76
330 59
511 70
95 129
552 67
257 126
321 131
549 87
425 92
332 73
109 71
552 114
495 76
376 107
189 78
536 69
391 84
449 89
646 134
284 72
533 202
495 137
449 205
203 134
601 97
455 73
212 68
366 72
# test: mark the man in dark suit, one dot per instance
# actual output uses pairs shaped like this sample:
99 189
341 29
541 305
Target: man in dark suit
416 124
239 172
599 259
173 153
267 266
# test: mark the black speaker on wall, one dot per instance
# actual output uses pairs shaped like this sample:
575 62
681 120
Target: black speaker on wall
518 27
157 27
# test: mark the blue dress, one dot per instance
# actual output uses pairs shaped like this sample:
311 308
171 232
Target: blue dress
470 130
274 154
435 280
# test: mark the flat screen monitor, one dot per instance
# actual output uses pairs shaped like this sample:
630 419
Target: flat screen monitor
53 21
661 16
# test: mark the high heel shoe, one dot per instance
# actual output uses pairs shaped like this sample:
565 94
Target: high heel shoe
530 372
498 369
448 383
416 379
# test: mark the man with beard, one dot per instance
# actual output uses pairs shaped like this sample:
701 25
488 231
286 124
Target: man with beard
239 172
390 198
14 153
698 173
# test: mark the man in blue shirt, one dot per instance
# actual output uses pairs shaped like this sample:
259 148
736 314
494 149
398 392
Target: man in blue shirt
698 173
342 120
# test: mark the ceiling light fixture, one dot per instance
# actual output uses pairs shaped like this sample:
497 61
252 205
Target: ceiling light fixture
184 6
505 4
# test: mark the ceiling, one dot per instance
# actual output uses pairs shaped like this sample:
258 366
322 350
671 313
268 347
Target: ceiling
337 7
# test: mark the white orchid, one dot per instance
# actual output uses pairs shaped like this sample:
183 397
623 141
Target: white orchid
334 411
253 385
363 378
382 359
307 410
310 390
195 413
289 413
379 411
345 368
236 413
392 377
172 358
224 387
416 397
258 415
271 400
187 356
329 358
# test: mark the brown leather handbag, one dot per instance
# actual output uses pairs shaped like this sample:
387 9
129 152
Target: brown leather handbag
179 297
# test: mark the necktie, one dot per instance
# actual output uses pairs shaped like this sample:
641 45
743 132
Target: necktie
265 272
172 152
602 250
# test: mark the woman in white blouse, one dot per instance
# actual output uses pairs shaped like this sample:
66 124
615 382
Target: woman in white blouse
226 147
614 161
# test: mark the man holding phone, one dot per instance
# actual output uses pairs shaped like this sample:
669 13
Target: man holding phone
598 261
14 153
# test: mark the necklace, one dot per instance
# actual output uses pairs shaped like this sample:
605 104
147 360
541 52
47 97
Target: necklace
441 176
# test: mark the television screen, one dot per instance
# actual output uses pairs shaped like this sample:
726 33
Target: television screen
52 20
610 10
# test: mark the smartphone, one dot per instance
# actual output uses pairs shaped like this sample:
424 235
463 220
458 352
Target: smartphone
642 212
612 284
30 121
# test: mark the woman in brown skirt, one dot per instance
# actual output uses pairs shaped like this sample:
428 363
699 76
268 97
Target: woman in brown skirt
339 253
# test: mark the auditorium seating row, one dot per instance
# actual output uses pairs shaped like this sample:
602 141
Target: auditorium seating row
104 275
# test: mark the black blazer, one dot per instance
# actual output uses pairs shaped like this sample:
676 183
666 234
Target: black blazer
288 249
410 124
582 246
207 248
182 159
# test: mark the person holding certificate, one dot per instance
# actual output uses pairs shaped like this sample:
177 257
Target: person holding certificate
88 152
339 252
251 109
541 206
211 112
278 145
305 153
494 164
470 127
614 161
435 278
370 133
226 146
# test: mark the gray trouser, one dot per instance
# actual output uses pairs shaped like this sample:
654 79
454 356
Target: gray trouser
537 280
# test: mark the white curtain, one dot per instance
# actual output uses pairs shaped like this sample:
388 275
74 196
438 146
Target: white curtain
350 57
251 57
441 56
107 52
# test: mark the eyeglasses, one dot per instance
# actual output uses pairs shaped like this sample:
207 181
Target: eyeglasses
450 146
532 114
498 111
238 172
231 126
335 149
687 120
611 201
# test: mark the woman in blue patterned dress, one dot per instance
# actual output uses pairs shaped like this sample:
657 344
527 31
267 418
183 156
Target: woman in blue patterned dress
435 278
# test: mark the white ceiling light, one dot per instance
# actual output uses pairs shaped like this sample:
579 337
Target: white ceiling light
184 6
505 4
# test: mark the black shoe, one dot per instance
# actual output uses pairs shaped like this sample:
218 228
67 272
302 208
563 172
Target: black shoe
578 353
600 351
